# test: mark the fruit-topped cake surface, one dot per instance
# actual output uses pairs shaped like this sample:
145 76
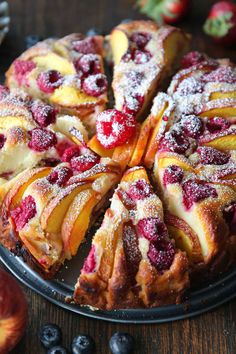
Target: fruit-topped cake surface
163 182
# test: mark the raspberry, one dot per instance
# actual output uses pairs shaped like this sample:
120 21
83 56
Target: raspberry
41 139
174 141
4 92
114 128
211 156
85 46
24 212
2 140
50 162
90 262
49 80
140 39
193 58
71 152
89 64
221 74
229 214
137 56
132 104
139 190
162 257
43 114
84 162
153 229
21 69
95 85
63 145
131 249
60 176
194 192
173 174
216 125
192 126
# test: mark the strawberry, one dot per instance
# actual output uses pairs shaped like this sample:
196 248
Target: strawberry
164 11
221 23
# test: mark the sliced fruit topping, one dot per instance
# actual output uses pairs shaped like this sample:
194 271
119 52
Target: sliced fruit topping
21 69
41 139
161 256
85 46
24 212
49 80
216 125
211 156
132 104
60 176
153 229
43 114
88 64
2 140
192 126
95 85
139 190
174 141
221 74
193 58
137 56
90 262
195 192
173 174
114 128
140 39
229 214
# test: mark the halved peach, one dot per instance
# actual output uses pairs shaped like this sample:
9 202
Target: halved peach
77 219
53 61
95 145
53 214
134 174
119 44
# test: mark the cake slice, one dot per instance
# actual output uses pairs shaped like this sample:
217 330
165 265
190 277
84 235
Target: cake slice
132 261
145 56
67 73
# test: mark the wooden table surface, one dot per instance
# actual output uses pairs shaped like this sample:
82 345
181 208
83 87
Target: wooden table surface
214 332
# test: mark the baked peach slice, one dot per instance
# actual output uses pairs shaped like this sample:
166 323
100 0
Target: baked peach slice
134 174
225 108
53 61
95 145
223 141
166 159
221 95
54 212
77 220
119 42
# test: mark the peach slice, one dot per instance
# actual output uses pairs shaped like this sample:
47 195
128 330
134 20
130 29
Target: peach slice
221 95
166 159
119 44
53 214
65 123
122 154
53 61
7 122
77 220
134 174
225 108
70 97
95 145
227 142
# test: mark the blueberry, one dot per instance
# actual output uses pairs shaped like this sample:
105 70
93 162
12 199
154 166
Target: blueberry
126 20
121 343
50 335
31 40
93 32
83 344
57 350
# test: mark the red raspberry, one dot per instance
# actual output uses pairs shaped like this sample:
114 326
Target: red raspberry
63 145
173 174
50 162
114 128
21 69
60 176
194 192
89 64
139 190
2 140
95 85
229 214
193 58
24 212
153 229
73 151
192 126
41 139
49 80
90 262
4 92
161 257
43 114
131 249
216 125
174 141
132 104
222 74
137 56
140 39
211 156
85 46
84 162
